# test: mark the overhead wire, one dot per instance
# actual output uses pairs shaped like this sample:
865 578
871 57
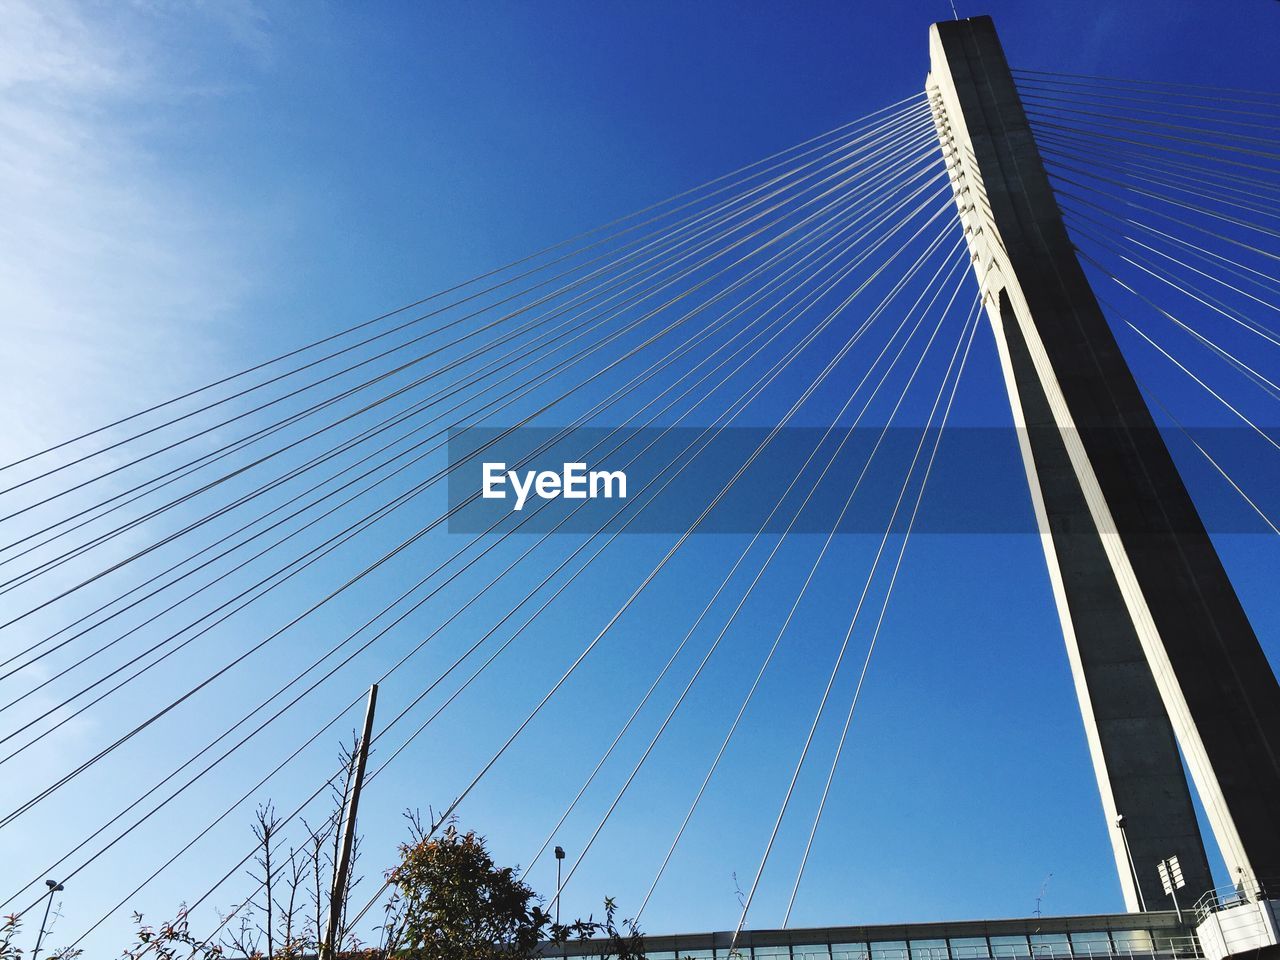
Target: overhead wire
780 500
1222 471
751 236
1163 179
18 667
1244 418
1044 96
1234 267
1191 89
1254 375
1239 319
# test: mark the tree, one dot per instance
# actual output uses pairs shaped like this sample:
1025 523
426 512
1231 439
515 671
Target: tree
170 940
11 926
622 940
277 922
455 903
452 902
449 901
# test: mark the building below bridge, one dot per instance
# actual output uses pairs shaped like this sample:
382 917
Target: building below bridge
1134 936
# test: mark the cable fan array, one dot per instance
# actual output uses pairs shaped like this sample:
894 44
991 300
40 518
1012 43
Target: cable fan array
199 593
1172 194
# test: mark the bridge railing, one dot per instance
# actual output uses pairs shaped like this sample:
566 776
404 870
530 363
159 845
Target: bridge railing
1226 897
1158 942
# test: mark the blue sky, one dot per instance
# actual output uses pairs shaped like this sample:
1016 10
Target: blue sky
190 188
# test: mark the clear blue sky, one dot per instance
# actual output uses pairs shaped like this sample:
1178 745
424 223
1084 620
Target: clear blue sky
193 189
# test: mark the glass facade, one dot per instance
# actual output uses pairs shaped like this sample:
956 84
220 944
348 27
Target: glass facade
970 948
1091 944
889 950
1132 941
1011 946
1084 944
1048 946
930 950
850 951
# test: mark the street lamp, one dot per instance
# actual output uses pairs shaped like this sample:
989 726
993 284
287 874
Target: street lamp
54 887
1171 879
559 861
1133 870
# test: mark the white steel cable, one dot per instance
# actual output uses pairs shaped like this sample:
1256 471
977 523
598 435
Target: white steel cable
1208 456
1038 95
750 693
1175 99
297 512
573 284
1239 319
1168 216
1258 378
653 573
1032 92
780 500
836 131
1234 267
1208 389
1068 113
586 847
1092 134
404 658
453 510
1059 151
387 556
1181 204
884 607
746 906
922 136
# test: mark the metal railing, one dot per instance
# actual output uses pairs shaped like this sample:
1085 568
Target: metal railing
1143 948
1224 898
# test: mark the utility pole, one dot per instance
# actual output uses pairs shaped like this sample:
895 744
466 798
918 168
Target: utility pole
330 946
1158 642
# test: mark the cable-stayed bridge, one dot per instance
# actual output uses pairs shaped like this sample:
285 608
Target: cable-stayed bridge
774 361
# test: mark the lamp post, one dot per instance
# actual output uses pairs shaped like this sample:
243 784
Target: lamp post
559 861
1137 884
1171 879
54 887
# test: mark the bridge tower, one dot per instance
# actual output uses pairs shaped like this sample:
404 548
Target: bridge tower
1161 651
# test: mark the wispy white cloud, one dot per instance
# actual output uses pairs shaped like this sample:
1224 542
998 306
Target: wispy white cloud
115 271
120 275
